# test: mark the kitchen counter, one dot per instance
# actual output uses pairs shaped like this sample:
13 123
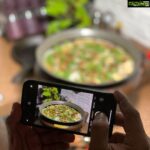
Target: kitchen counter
11 92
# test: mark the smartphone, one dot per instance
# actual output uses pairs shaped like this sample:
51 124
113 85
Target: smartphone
65 107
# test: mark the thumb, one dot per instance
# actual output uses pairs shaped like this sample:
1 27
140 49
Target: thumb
15 115
99 134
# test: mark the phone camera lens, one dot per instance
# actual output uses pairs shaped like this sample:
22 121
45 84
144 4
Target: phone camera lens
31 86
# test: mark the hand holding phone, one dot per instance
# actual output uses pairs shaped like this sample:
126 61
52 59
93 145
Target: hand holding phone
65 107
28 137
129 119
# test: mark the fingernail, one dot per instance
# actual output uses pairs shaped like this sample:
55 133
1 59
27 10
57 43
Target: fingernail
101 116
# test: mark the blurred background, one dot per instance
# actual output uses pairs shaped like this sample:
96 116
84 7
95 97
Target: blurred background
29 26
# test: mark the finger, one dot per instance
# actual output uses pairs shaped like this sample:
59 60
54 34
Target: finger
15 115
132 124
56 146
99 134
14 142
126 108
68 138
117 138
56 135
42 131
47 138
33 140
119 119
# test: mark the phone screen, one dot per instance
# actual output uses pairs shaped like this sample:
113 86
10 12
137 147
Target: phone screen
63 107
66 109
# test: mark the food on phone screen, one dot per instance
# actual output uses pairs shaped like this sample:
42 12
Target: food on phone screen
62 113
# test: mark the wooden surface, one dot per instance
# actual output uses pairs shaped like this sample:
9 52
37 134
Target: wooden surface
12 92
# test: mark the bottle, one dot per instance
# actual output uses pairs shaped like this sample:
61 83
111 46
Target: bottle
13 26
28 18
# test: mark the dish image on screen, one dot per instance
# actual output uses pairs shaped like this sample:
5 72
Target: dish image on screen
61 113
63 108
